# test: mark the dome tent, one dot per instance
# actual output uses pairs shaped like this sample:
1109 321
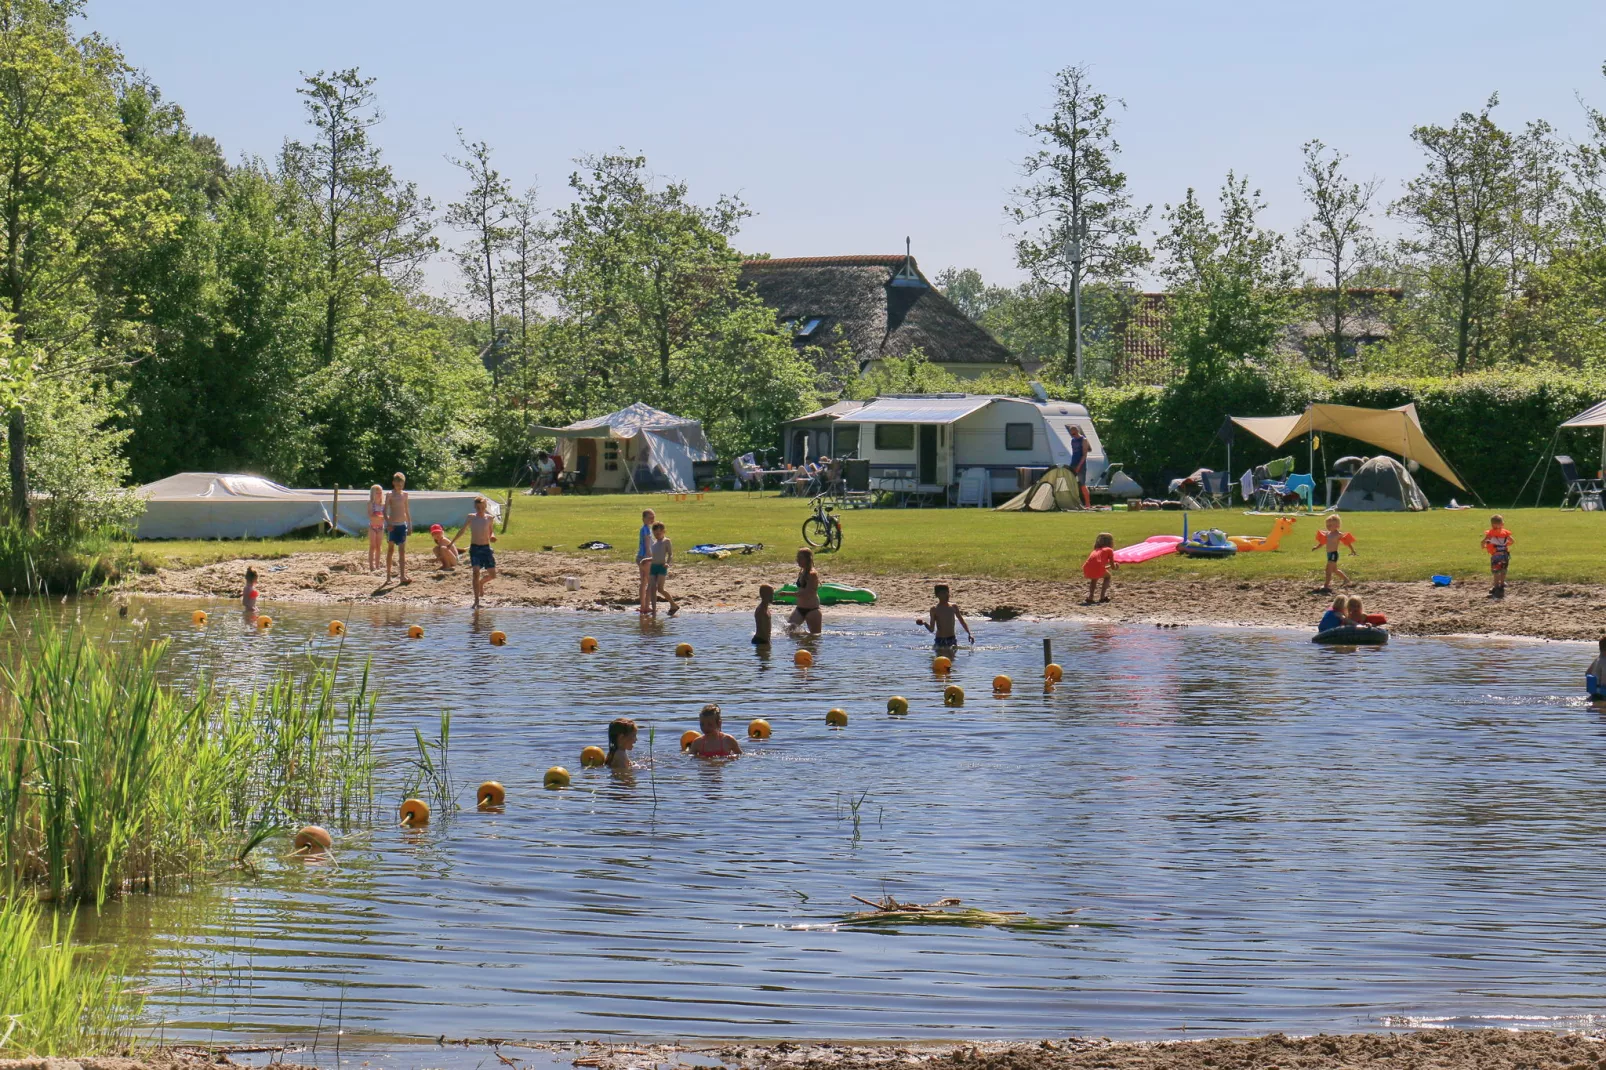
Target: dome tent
1382 485
1056 490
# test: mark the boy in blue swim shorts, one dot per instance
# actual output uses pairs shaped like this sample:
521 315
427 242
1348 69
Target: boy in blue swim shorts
398 523
941 619
481 526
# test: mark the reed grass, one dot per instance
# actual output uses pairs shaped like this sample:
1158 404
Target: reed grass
54 997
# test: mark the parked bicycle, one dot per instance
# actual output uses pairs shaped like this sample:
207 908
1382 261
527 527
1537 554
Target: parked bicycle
823 530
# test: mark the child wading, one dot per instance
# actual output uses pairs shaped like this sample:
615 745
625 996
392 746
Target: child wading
1098 566
1592 675
481 527
1331 540
621 737
940 621
761 616
644 558
399 520
713 743
249 599
663 552
1498 541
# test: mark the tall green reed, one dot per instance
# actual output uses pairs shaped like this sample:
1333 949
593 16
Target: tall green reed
54 998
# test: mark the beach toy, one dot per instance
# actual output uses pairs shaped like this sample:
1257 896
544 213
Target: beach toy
802 659
199 616
1279 527
264 623
941 665
1441 580
556 777
415 631
490 795
415 813
1147 550
1002 684
683 650
1053 673
897 705
592 757
953 695
830 594
688 737
337 627
313 840
499 638
836 718
1207 542
759 729
1345 539
588 645
1352 635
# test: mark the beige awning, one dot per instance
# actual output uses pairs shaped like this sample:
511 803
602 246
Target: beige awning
1398 431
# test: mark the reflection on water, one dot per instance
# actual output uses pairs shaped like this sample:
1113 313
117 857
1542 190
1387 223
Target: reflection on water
1254 833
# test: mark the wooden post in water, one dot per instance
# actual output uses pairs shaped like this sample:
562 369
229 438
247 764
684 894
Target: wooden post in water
1048 652
334 515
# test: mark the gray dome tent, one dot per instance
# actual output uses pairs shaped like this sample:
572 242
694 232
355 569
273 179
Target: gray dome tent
1382 485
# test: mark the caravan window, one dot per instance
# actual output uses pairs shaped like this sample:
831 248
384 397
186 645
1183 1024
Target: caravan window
894 436
1017 436
847 441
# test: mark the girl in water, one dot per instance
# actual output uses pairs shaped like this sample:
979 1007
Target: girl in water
621 737
376 525
713 743
807 610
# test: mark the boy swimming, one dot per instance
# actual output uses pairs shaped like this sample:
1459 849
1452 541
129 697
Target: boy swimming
1332 539
713 743
481 527
940 620
1498 541
399 521
1592 675
761 616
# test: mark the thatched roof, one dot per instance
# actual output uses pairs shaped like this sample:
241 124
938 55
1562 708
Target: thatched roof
884 306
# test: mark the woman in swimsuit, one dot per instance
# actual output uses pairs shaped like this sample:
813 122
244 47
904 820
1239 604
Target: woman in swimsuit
713 743
808 594
376 526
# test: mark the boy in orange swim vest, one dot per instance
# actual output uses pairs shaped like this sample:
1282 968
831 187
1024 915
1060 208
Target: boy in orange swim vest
1498 541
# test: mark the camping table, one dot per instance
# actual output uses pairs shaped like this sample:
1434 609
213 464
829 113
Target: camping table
898 486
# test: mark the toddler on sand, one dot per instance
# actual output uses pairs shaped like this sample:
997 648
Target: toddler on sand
1498 541
1098 566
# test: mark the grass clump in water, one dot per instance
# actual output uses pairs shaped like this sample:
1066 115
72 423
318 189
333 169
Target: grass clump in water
53 998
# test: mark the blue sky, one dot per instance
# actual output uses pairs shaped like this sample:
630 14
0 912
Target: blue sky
846 126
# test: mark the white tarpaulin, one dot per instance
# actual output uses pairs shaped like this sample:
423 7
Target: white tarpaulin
664 444
1397 430
448 508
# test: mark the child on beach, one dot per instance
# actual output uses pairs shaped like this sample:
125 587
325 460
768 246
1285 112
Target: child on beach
249 598
481 527
399 521
940 620
662 553
1498 541
376 526
807 609
1592 675
644 558
445 550
1098 566
1335 617
761 616
621 737
713 743
1331 538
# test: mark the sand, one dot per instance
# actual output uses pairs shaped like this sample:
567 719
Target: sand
1542 611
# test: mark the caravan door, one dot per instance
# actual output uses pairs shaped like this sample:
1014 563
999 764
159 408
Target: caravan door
926 473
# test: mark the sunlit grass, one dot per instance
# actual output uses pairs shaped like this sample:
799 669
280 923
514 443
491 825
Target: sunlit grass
54 998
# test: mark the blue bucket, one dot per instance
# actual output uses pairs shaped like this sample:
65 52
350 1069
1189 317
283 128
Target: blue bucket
1441 580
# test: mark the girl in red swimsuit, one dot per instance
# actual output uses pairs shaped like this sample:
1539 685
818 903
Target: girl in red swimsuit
713 743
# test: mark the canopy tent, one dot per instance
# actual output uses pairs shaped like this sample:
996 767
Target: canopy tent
654 440
1381 485
1594 416
1056 490
1397 430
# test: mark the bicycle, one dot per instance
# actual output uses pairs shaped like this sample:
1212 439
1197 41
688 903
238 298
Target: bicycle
823 530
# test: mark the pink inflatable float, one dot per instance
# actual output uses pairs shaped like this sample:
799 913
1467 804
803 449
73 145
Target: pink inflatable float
1147 550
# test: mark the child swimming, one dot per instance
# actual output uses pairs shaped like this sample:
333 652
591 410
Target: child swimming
713 743
940 620
1498 541
1098 566
1592 675
1331 539
761 616
621 737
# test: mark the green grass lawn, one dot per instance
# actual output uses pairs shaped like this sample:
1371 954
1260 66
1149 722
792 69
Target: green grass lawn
1551 545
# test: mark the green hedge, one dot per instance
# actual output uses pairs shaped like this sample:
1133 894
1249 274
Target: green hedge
1492 426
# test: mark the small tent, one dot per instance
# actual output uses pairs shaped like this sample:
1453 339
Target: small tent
1056 490
635 446
1382 485
210 505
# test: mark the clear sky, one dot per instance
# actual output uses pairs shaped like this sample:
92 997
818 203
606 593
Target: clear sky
846 126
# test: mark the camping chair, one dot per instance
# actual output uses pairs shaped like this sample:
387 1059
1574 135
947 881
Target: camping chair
1214 488
856 483
748 474
573 480
975 488
1578 492
1302 485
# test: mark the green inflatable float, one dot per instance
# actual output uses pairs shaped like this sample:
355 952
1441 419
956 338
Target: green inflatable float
830 594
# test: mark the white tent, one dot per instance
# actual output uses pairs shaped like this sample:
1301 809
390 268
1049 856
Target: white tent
1594 416
636 437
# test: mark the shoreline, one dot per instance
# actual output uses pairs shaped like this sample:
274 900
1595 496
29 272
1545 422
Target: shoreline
1543 611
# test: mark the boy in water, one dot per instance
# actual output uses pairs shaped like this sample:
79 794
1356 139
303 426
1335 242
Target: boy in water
761 616
663 552
713 743
1592 675
481 527
1332 539
1498 541
398 522
942 618
445 550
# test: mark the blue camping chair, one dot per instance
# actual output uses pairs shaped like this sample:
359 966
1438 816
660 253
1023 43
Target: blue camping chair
1302 485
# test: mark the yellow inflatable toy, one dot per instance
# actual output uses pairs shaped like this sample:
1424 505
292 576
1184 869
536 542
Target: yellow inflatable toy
941 665
415 813
802 659
1279 527
415 631
592 757
556 777
313 840
499 638
953 696
588 645
759 729
683 650
337 627
836 718
688 737
491 795
897 705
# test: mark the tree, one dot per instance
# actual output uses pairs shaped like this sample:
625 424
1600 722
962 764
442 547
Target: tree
73 192
483 214
1073 197
1337 235
1229 282
1462 206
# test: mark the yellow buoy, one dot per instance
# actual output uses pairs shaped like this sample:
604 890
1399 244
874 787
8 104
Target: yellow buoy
1002 684
264 623
941 665
683 650
490 796
415 631
953 695
688 737
415 813
1053 673
759 729
592 756
199 616
802 659
836 718
313 840
588 645
499 638
337 627
897 705
556 777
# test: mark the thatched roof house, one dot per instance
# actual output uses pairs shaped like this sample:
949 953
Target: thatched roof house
883 306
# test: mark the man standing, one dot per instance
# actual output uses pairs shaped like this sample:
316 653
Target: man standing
1079 463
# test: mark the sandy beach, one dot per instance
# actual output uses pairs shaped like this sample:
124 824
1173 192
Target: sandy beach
1536 610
